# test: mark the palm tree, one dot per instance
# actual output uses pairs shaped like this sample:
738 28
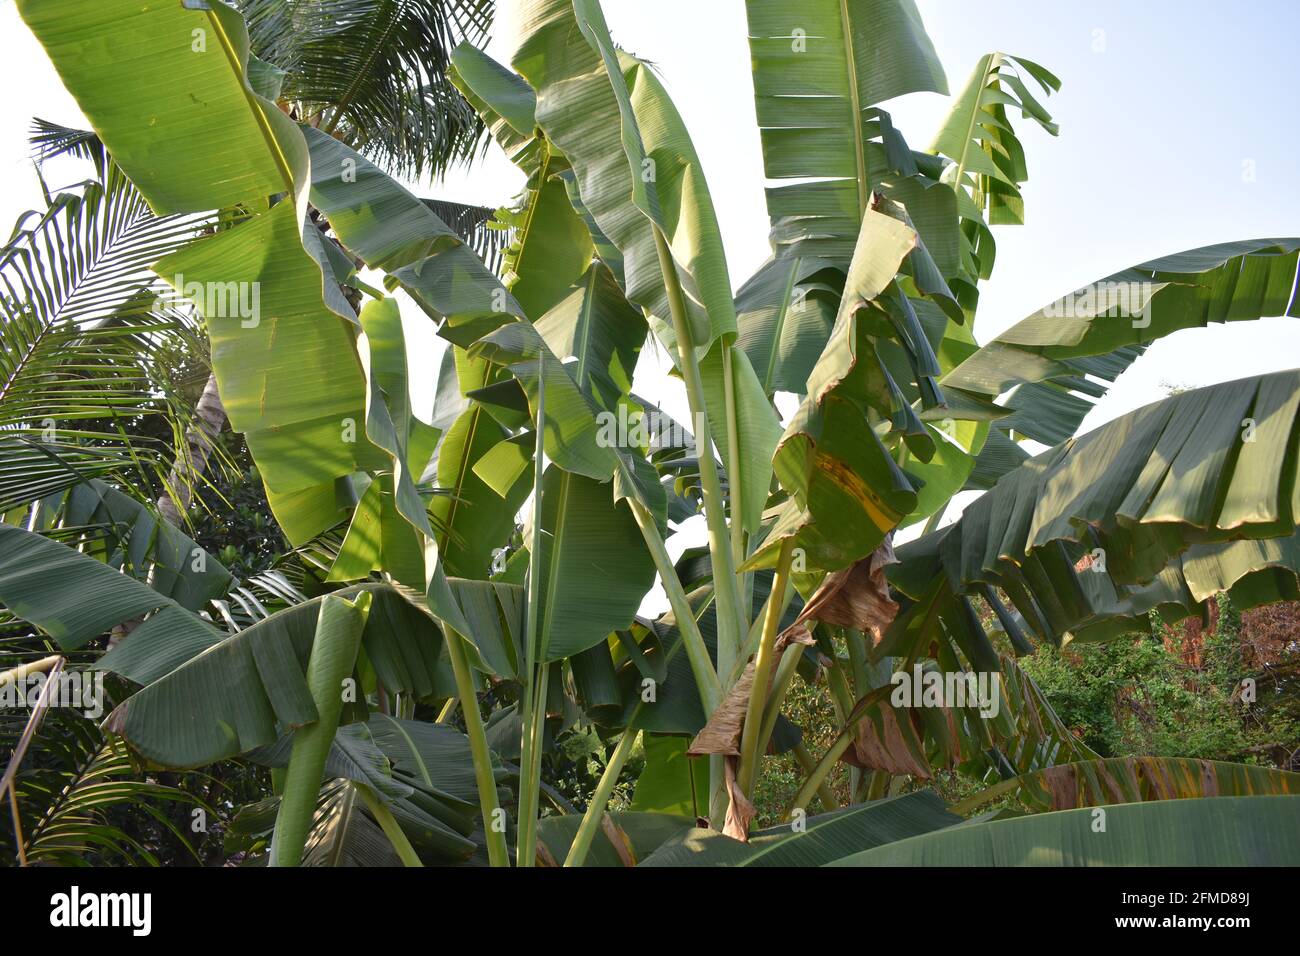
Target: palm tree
865 310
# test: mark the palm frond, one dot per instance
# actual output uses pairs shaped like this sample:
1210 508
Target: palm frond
477 226
84 339
50 140
82 800
374 71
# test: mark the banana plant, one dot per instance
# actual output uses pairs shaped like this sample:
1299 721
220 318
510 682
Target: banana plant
435 594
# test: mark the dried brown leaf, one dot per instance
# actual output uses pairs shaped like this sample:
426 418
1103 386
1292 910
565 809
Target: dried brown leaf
886 748
857 596
739 810
721 735
616 836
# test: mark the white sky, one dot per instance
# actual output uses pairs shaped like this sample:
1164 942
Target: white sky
1177 130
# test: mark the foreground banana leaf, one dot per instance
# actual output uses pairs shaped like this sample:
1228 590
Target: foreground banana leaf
1199 469
38 576
1224 831
820 840
627 838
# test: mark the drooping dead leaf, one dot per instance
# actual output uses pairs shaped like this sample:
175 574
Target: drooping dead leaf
621 842
857 596
739 810
894 746
722 733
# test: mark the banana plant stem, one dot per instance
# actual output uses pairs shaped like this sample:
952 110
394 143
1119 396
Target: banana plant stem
735 481
448 711
604 790
813 782
493 828
841 743
730 633
785 672
333 656
530 763
756 633
388 823
706 678
531 771
806 763
749 740
13 675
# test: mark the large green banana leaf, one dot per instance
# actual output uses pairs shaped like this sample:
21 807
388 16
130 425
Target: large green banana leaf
73 598
179 116
575 436
818 67
595 327
474 518
671 781
988 160
117 56
589 93
846 492
592 570
610 116
503 100
402 517
1225 831
785 313
591 323
290 375
421 770
819 840
552 246
244 689
210 695
1061 359
387 227
1205 468
144 545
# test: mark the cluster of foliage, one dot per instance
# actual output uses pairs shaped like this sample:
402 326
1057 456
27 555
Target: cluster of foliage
343 634
1134 697
1127 698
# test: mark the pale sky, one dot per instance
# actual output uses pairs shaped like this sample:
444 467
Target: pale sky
1177 130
